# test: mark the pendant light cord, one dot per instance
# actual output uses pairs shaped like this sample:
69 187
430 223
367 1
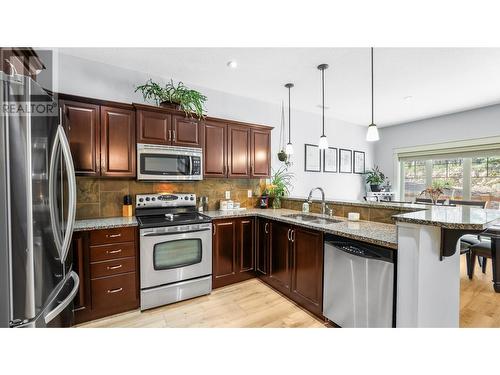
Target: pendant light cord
372 82
289 117
323 94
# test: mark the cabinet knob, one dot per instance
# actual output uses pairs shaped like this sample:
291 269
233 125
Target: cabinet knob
266 228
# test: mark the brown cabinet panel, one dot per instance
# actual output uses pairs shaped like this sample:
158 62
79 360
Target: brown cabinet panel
224 253
82 301
279 265
112 267
261 153
153 127
113 294
215 150
112 235
307 269
186 131
118 148
246 245
238 151
81 123
112 251
263 234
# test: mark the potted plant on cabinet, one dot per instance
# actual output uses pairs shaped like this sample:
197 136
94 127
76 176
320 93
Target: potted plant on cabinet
279 186
375 178
174 96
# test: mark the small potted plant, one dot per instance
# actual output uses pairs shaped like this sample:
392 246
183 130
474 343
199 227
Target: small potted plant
375 178
174 96
279 186
436 190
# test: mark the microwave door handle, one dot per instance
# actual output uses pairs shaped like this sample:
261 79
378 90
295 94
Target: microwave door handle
70 171
190 165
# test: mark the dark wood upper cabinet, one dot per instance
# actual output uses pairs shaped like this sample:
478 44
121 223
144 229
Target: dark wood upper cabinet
307 269
279 264
224 253
238 151
118 148
81 123
214 149
186 131
154 127
260 153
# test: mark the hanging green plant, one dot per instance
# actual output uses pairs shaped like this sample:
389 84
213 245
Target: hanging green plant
174 96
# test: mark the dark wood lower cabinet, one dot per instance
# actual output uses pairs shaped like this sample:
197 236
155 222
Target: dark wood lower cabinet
263 239
279 257
107 265
233 249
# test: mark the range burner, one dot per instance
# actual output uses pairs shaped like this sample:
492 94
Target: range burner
163 210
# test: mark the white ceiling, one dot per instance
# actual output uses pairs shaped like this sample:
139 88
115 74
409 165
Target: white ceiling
439 80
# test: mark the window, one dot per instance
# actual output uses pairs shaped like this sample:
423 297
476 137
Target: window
468 178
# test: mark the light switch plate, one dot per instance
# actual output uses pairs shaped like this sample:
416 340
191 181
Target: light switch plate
249 193
228 194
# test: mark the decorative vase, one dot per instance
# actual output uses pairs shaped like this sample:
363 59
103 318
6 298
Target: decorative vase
277 202
282 156
375 188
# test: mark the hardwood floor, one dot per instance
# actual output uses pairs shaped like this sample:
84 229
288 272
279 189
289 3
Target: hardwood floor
247 304
253 304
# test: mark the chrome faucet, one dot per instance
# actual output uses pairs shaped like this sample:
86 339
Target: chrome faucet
323 204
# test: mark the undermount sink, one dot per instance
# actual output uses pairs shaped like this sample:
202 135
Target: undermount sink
312 218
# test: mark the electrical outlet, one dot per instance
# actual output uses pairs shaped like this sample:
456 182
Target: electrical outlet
228 194
249 193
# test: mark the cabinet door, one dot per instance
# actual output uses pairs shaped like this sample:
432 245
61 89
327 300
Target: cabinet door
118 148
246 246
261 153
224 253
186 131
262 246
307 269
214 149
279 269
81 123
82 302
238 154
154 127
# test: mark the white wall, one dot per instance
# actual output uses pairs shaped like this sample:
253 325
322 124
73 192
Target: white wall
477 123
87 78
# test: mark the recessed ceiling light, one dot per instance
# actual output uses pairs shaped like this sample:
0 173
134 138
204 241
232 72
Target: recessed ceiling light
232 64
407 98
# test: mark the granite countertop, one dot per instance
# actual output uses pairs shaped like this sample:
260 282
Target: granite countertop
367 231
354 203
460 217
106 223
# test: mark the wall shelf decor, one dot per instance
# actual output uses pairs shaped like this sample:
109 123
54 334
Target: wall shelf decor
359 162
345 160
312 162
330 160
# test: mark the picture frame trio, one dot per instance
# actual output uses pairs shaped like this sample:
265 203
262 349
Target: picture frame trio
334 160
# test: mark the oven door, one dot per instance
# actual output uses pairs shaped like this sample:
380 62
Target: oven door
168 256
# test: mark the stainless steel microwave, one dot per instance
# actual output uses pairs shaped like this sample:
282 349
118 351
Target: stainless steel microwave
169 163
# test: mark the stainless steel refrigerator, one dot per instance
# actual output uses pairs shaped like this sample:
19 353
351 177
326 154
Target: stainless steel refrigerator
37 209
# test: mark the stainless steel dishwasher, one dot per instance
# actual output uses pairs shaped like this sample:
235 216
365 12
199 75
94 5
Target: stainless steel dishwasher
359 281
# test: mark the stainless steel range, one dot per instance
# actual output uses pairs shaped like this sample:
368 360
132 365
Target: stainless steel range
175 249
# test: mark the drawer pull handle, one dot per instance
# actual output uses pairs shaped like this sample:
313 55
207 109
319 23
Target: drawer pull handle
117 290
113 251
115 267
113 235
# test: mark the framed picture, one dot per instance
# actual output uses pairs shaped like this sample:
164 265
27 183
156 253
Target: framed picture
330 160
359 162
345 161
312 158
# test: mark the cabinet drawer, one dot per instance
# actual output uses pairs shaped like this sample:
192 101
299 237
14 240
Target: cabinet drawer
105 236
113 292
114 251
112 267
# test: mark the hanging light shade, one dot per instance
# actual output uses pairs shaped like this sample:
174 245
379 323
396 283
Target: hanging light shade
372 133
323 141
289 146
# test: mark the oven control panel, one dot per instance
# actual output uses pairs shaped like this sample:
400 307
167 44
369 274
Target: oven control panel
165 200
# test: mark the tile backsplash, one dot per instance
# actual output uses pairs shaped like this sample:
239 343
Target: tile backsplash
98 198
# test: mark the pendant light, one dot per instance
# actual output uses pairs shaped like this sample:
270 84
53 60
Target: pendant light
323 141
372 133
289 147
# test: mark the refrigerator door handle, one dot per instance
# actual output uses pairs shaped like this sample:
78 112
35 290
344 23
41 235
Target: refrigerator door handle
64 303
54 217
70 222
